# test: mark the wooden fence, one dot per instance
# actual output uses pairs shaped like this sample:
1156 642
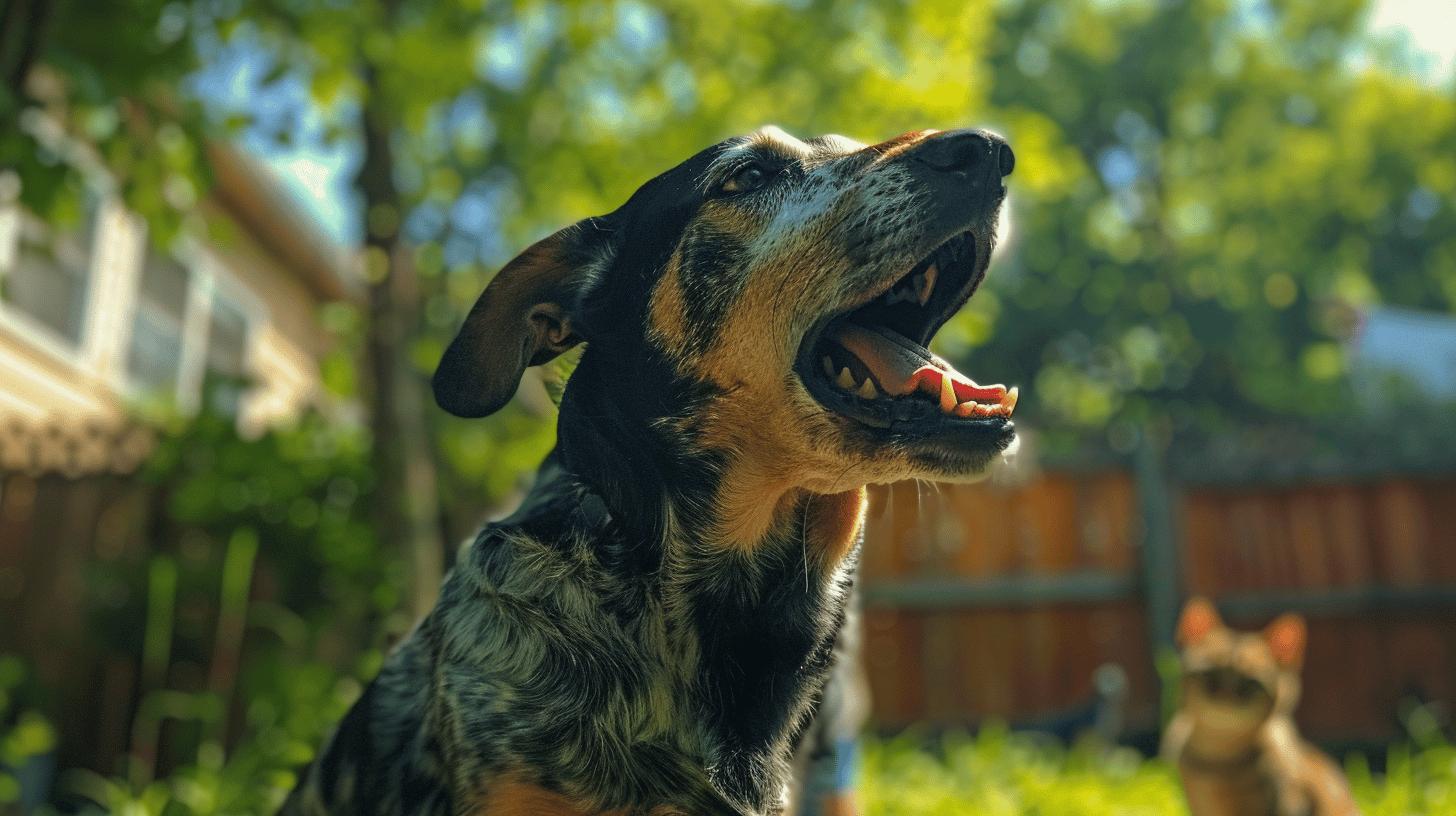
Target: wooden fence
1372 565
989 602
56 535
982 602
1003 602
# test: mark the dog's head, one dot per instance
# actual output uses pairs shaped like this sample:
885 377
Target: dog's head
772 299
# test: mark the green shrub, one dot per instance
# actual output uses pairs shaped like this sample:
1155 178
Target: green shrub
24 733
261 602
998 773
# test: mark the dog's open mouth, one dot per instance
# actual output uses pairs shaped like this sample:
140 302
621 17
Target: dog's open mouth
872 365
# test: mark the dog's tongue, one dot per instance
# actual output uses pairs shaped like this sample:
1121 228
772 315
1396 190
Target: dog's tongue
903 367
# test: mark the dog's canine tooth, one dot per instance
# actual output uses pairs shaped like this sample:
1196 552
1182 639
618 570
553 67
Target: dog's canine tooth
1009 400
947 394
868 390
828 367
846 380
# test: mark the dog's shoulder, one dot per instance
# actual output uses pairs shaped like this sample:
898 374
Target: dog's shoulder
380 758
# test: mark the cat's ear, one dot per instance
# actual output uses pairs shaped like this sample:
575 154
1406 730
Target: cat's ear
1286 636
1198 619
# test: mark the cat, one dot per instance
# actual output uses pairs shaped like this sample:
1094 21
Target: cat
1233 738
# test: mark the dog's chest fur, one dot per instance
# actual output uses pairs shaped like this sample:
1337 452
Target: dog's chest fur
607 670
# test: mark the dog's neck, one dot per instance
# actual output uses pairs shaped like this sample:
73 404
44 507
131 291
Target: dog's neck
753 626
644 457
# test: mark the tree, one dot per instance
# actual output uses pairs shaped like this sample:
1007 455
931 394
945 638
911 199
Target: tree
1201 196
107 73
465 152
479 125
1225 189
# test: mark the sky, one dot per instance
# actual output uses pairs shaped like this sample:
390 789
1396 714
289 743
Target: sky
318 175
1428 23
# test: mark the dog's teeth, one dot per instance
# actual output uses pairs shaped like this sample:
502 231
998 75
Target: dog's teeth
1009 400
828 367
966 408
947 394
846 380
867 389
925 284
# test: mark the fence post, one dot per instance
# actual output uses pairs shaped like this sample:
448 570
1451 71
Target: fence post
1160 573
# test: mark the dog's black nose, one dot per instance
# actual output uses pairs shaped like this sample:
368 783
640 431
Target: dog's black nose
1005 158
965 151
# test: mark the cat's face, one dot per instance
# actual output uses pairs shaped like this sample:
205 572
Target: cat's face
1234 681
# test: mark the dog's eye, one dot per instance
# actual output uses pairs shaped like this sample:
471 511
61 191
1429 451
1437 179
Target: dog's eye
745 179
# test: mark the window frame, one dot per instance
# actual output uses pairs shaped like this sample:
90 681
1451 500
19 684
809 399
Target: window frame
14 220
208 279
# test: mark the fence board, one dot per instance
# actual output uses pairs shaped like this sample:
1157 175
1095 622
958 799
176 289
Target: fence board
1045 585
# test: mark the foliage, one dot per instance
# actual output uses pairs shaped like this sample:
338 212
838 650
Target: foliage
300 490
1223 193
262 603
514 119
999 772
1205 194
109 73
25 736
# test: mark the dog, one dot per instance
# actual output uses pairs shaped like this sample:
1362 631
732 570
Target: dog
1233 739
651 632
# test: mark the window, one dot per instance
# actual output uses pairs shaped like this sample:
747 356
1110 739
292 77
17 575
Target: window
190 333
227 357
154 361
48 273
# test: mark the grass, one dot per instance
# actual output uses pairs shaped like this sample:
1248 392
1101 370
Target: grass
994 772
998 773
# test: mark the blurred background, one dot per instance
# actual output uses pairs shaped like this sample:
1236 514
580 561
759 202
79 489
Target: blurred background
234 237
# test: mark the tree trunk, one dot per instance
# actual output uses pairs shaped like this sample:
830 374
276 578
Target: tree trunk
22 31
408 501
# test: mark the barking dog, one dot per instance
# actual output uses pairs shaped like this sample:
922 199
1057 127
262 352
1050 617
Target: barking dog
1233 739
651 631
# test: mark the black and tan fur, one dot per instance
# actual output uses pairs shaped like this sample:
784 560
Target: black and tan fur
651 630
1233 738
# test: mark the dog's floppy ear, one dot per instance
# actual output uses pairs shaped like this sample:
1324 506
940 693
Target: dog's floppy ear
523 318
